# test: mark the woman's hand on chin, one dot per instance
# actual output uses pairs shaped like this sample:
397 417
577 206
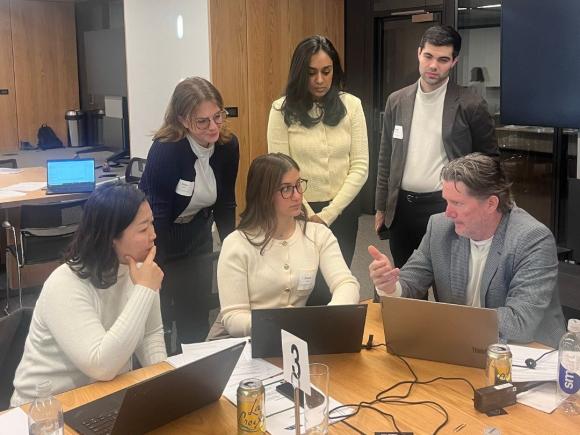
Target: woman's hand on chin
149 274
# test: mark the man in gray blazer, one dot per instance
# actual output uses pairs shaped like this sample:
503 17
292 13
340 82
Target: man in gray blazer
426 125
484 252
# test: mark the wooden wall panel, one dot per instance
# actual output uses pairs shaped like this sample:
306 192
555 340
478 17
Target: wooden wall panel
45 65
272 29
229 73
8 122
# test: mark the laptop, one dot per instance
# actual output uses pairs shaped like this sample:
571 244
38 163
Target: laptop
436 331
326 329
156 401
70 176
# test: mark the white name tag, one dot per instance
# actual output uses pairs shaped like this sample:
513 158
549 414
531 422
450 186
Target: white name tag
398 132
306 280
185 188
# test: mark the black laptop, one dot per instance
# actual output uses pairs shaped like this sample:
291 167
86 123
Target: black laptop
70 176
154 402
326 329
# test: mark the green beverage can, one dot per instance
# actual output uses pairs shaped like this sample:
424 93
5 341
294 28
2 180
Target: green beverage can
251 403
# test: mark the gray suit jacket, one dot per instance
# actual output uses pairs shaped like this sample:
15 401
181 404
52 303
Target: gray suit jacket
467 127
519 278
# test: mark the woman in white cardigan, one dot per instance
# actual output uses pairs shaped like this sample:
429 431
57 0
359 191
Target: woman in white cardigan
271 260
101 306
323 128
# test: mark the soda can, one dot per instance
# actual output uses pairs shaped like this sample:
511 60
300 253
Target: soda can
251 403
499 364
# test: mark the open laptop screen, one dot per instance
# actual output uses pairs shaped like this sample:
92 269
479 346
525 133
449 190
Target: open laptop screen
76 172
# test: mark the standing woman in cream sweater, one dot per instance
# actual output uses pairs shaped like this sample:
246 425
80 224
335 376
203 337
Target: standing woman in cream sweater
272 259
324 130
100 307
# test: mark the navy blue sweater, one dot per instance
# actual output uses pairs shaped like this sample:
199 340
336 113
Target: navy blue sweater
167 163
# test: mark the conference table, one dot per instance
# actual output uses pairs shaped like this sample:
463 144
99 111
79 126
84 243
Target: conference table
359 377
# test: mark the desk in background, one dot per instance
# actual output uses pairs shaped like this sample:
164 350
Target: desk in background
358 377
11 212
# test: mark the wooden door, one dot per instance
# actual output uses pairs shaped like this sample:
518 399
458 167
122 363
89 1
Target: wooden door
8 124
45 65
252 42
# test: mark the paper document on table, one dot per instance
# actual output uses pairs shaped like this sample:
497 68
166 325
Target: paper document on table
6 171
10 193
544 397
546 368
28 186
250 368
196 351
14 422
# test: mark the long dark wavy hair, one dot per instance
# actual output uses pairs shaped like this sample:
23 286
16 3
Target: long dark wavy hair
298 100
258 221
107 213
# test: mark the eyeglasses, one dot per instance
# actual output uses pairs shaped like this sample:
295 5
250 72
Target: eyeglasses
287 190
204 123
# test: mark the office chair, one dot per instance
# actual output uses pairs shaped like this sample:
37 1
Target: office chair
45 232
8 163
13 332
134 170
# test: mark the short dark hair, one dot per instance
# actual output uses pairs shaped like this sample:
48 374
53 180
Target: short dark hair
107 213
442 36
298 99
483 176
264 180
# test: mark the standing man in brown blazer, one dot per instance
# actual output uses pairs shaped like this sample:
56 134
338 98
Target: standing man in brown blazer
425 126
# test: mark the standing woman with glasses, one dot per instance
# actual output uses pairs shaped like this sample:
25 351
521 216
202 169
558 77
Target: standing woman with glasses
324 130
271 260
190 180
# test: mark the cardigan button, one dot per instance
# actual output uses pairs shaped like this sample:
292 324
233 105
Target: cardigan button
286 290
284 243
286 267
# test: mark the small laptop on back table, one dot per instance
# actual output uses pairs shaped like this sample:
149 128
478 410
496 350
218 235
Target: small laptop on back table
436 331
156 401
70 176
326 329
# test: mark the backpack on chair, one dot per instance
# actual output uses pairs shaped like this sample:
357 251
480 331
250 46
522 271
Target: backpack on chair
47 138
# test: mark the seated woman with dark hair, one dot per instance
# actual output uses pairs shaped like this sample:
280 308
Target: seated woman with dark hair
272 259
101 306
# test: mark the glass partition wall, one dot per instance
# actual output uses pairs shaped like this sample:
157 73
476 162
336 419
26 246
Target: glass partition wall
527 151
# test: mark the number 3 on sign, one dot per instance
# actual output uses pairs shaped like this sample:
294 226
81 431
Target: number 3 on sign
295 361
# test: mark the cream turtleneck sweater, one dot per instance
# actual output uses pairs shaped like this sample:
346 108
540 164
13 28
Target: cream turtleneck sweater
80 334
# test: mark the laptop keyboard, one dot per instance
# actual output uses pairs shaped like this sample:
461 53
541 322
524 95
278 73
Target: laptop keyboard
73 188
102 424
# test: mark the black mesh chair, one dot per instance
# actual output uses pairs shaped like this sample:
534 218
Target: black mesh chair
44 234
13 332
134 170
8 163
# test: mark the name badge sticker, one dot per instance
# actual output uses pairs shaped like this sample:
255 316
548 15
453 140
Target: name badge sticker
398 132
185 188
306 280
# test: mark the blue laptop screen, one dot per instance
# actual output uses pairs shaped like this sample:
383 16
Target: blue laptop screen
60 172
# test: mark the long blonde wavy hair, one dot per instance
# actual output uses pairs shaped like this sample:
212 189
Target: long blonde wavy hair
186 98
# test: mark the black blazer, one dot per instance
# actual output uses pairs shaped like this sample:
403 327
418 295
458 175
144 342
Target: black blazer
168 162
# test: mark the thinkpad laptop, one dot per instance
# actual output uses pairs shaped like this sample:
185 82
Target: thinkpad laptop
70 176
327 329
436 331
154 402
